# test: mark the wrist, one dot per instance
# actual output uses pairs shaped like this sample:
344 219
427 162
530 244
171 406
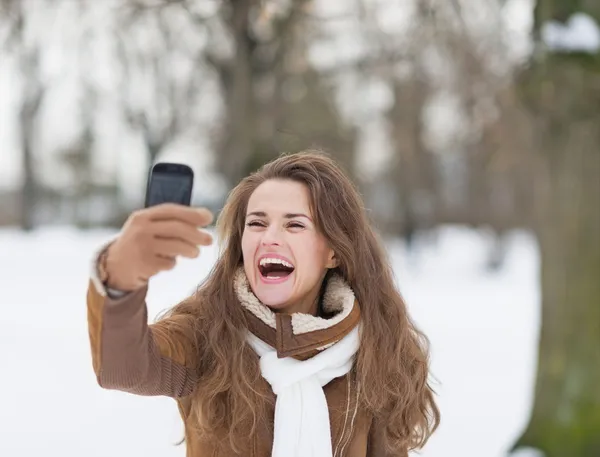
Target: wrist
114 281
108 280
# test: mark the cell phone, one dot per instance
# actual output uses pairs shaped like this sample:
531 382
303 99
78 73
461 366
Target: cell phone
169 183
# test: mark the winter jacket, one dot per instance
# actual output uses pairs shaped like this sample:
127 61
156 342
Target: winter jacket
131 356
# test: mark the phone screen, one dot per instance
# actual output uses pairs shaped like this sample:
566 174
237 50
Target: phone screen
165 187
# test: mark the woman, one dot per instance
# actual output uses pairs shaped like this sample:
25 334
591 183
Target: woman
297 344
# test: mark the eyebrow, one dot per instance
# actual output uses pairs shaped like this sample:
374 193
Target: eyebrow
286 216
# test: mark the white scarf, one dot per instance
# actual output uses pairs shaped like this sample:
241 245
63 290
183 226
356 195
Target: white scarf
302 427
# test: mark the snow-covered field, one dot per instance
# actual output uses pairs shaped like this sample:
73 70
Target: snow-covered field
483 329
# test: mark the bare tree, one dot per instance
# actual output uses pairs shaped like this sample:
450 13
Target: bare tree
251 73
27 55
257 52
162 71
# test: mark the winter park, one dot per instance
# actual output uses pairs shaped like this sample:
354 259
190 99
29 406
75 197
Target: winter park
469 130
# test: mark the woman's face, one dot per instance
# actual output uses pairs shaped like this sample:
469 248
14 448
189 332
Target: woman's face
285 257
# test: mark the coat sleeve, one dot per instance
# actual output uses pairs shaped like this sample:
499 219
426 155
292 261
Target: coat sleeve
132 356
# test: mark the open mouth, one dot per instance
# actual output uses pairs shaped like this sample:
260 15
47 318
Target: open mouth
273 268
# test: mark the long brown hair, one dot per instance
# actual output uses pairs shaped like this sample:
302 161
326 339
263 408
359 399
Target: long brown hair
392 363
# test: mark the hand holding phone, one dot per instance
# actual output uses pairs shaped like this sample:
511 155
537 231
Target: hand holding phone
152 238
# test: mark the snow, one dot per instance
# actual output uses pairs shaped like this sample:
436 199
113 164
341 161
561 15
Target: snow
483 328
580 33
528 452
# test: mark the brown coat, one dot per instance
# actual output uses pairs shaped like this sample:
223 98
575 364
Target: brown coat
132 356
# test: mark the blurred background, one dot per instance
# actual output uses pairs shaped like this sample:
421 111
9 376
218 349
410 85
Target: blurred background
470 126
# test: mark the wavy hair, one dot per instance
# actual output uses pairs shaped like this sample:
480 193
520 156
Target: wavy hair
392 364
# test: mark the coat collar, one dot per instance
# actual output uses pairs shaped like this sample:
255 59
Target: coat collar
301 335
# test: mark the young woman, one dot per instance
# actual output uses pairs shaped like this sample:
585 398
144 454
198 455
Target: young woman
296 345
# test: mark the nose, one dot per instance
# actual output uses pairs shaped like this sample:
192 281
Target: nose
271 236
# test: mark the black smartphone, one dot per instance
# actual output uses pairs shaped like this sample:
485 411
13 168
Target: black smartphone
169 183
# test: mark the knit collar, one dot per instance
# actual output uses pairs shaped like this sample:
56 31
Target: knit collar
301 335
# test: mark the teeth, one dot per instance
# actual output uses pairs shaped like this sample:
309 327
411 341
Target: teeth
266 260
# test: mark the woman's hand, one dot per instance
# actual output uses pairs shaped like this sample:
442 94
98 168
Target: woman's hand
151 240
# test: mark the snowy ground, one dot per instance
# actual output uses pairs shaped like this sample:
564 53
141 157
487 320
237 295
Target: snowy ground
483 328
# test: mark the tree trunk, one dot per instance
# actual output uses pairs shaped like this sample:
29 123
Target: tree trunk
27 117
237 140
566 416
564 91
28 188
413 170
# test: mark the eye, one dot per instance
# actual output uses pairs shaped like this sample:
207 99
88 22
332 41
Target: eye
255 223
295 225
